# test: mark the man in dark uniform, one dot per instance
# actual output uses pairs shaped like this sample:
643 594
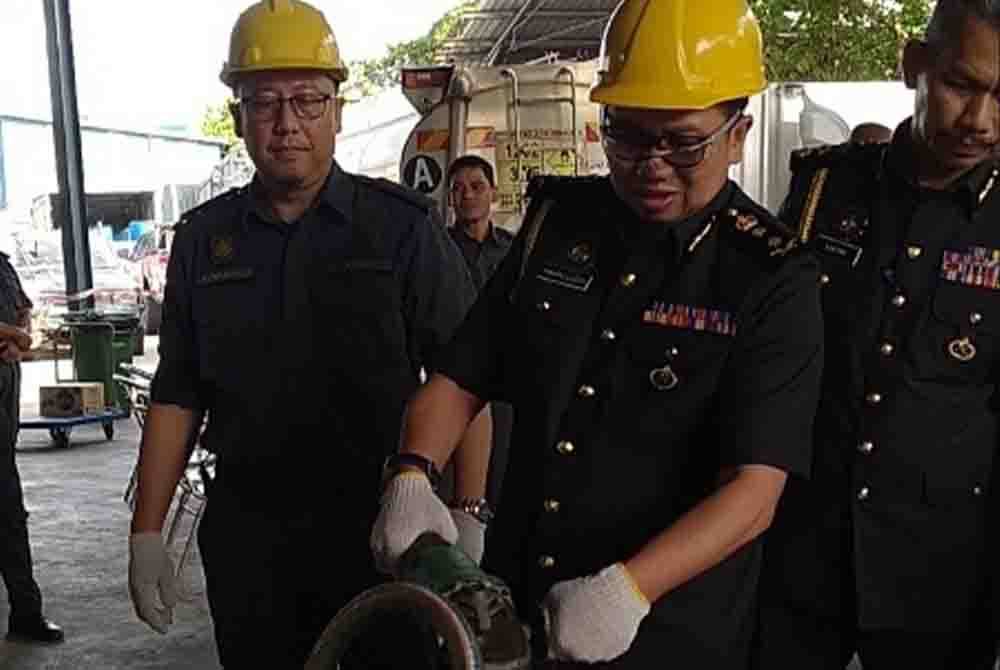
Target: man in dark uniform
26 621
298 314
472 192
885 552
483 245
659 336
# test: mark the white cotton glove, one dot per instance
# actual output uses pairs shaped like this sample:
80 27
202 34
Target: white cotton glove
151 580
410 508
594 618
471 534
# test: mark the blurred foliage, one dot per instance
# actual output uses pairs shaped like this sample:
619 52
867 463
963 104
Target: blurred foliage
837 40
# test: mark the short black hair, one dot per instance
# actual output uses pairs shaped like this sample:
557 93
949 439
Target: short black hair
948 16
470 161
737 106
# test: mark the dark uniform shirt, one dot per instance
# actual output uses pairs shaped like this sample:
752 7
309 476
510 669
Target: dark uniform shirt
640 360
482 258
303 341
13 299
906 431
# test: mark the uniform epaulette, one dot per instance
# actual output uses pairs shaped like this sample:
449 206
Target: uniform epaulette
832 155
404 193
199 211
757 232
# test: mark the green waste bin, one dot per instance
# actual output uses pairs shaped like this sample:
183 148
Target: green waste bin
101 342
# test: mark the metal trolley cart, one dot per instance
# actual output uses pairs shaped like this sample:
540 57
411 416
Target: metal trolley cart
189 498
100 343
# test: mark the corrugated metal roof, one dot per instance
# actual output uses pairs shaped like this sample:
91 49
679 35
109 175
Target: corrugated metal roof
517 31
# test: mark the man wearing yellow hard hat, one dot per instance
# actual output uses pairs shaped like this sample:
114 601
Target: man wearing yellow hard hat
660 338
298 314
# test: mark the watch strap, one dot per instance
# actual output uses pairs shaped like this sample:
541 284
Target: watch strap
397 462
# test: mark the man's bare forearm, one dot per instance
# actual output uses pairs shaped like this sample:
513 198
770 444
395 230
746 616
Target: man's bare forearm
162 458
437 418
472 457
739 510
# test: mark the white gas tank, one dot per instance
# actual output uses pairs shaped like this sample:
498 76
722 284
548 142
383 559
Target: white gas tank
525 120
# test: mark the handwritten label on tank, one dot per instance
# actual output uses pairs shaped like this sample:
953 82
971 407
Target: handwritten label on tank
536 151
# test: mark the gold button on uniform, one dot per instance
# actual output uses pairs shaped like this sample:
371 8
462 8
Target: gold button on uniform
874 398
913 252
551 506
546 562
824 279
628 280
586 391
887 349
565 447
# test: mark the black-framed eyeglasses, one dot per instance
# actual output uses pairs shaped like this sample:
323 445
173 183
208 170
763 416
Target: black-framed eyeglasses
631 146
307 106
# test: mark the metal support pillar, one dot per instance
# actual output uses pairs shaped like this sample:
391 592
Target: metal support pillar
71 208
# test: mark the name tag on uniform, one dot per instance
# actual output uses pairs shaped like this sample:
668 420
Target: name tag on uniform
575 281
689 317
225 276
977 266
839 248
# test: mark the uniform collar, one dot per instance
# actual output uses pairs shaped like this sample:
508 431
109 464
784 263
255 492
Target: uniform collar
337 193
970 189
681 235
492 236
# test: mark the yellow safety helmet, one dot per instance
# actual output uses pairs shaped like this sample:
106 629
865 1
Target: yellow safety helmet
282 35
679 54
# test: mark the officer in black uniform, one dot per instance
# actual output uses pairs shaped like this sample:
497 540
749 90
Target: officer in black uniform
25 621
884 553
659 336
298 314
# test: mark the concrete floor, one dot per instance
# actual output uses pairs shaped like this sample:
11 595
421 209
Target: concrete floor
79 536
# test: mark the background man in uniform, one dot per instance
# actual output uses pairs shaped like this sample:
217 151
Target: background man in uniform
484 246
871 132
473 190
298 314
885 553
25 621
660 339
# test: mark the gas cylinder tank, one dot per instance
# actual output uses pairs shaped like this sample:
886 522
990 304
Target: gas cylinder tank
525 120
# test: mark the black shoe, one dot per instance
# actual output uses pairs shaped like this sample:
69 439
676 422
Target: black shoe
39 630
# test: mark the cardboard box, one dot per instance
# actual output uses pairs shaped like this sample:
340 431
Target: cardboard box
71 399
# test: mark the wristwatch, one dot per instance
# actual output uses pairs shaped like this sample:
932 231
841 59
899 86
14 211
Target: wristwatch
397 462
479 508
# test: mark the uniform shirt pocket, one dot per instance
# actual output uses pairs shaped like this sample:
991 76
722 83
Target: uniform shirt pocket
672 371
960 344
359 312
227 326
